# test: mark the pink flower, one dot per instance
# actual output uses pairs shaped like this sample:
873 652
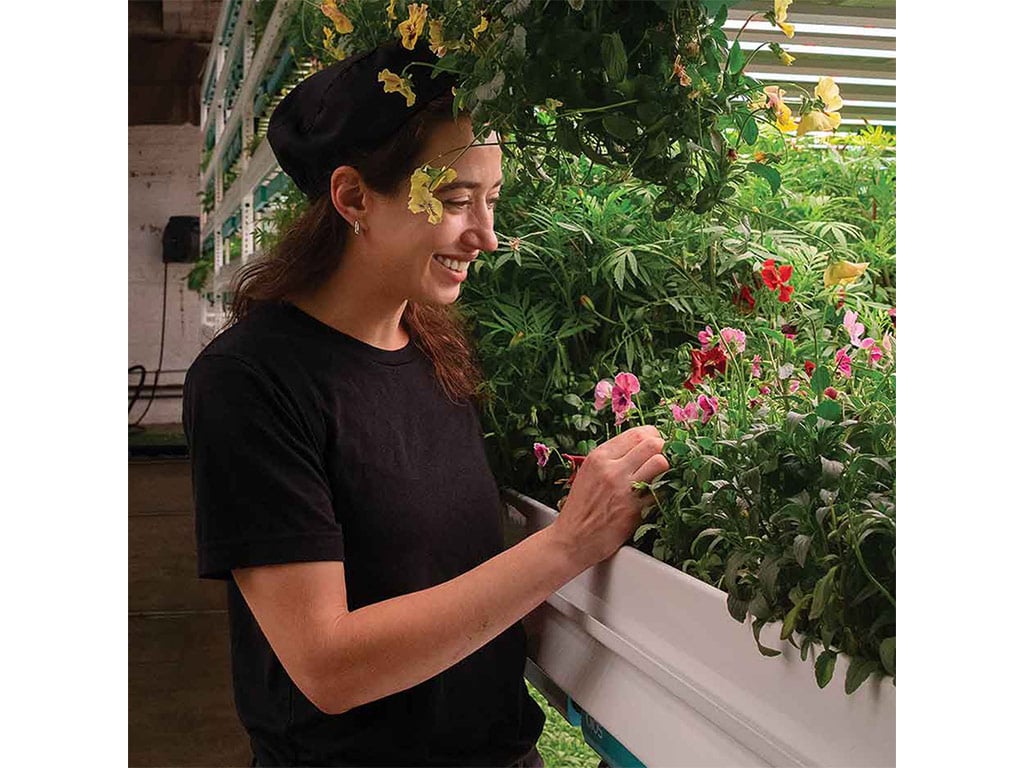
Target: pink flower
755 367
765 390
734 339
686 414
709 406
887 342
542 452
705 337
874 351
831 393
602 394
852 327
794 385
843 363
626 385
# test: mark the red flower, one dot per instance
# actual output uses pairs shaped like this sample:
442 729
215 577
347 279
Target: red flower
577 462
808 367
789 330
775 278
831 393
705 363
746 298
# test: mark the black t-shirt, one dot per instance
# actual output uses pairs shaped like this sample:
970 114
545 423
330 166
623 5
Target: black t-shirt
309 445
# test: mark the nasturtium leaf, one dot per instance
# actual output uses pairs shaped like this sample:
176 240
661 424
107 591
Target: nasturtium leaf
801 546
677 447
767 173
830 410
824 666
820 379
860 670
887 652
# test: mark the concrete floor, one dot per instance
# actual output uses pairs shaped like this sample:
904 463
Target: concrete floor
180 706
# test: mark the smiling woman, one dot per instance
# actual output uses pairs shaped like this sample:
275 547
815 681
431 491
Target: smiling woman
341 485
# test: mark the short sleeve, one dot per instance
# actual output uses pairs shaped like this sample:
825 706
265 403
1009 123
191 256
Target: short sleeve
260 491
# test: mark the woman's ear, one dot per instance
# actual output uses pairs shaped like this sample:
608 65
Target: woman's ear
349 193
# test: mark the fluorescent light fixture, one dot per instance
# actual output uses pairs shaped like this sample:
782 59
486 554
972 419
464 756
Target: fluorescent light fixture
797 78
819 29
825 50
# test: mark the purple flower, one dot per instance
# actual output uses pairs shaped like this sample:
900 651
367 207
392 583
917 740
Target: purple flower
686 414
542 452
708 406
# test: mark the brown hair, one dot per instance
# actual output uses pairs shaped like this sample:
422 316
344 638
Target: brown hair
310 250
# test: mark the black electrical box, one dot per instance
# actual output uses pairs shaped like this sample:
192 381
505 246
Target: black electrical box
181 239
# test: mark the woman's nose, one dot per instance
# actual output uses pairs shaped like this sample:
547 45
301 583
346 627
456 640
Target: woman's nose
480 234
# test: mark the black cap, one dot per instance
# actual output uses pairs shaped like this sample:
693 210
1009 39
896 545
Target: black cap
335 115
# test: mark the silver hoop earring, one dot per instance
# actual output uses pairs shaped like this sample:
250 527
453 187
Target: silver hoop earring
355 227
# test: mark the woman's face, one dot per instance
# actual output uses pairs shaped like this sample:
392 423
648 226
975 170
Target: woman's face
410 251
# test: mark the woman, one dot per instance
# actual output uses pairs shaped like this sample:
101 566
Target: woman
341 487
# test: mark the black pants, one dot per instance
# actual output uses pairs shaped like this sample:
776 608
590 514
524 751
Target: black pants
531 759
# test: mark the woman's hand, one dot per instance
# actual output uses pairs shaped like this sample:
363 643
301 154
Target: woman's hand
603 510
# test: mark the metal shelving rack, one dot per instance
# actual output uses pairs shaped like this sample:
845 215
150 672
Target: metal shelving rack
241 85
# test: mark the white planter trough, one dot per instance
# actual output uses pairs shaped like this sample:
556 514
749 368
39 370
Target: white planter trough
667 679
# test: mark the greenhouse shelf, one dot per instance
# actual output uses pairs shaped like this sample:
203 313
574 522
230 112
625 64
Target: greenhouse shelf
654 659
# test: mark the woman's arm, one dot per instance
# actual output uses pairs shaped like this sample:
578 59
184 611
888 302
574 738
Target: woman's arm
341 659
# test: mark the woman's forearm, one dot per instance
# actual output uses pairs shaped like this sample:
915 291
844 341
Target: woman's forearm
390 646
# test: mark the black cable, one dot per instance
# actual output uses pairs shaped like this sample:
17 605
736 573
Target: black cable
159 365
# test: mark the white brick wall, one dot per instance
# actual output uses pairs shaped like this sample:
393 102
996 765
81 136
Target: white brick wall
163 167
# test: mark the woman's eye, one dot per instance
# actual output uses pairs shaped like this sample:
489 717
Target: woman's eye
459 203
493 202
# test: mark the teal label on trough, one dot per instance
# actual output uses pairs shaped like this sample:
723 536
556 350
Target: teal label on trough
606 745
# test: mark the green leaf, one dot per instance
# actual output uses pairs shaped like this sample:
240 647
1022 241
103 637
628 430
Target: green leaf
829 410
820 379
801 546
887 651
613 56
765 651
705 442
824 666
860 670
792 616
759 607
822 592
639 533
677 447
831 471
735 58
721 15
748 132
574 400
767 173
737 608
619 126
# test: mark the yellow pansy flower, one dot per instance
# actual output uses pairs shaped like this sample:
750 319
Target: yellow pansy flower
329 8
480 27
787 28
828 92
842 272
329 46
782 9
391 11
421 186
816 120
785 58
412 27
395 84
784 118
437 44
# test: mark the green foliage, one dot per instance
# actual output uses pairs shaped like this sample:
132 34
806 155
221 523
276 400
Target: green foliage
561 744
785 500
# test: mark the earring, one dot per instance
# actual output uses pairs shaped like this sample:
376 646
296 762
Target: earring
355 227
